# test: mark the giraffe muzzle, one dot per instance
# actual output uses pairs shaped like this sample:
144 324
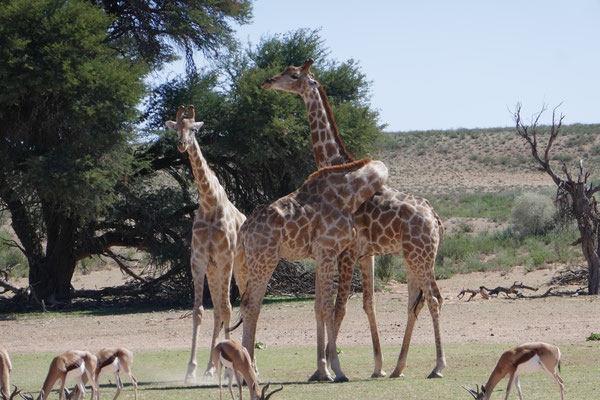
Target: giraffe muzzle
182 145
267 84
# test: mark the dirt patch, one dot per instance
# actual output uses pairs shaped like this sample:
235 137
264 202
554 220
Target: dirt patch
558 320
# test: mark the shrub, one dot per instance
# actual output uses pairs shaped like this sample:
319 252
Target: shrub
593 336
12 261
533 214
562 238
563 158
386 267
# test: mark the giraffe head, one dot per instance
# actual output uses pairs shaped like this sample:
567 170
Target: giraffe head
185 127
293 80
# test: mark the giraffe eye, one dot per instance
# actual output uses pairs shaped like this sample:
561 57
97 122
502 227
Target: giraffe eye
294 76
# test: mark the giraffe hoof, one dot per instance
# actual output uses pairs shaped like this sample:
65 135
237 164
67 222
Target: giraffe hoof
208 375
319 377
341 379
435 374
378 374
396 375
190 379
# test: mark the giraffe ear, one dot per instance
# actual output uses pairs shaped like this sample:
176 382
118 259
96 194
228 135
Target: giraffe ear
197 125
171 125
306 66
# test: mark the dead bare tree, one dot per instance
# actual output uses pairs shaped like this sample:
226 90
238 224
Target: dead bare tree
575 197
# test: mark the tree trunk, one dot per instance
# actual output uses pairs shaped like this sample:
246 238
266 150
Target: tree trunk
582 209
50 275
591 256
50 278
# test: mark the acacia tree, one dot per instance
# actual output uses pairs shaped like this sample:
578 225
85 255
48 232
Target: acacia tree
71 75
155 30
574 195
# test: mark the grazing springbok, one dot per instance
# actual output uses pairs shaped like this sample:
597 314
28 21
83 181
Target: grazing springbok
5 368
111 361
528 357
233 356
73 364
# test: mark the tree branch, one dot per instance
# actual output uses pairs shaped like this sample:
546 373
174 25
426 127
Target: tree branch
123 267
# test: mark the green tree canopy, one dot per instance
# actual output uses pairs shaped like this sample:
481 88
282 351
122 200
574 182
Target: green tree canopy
71 78
66 100
155 30
257 141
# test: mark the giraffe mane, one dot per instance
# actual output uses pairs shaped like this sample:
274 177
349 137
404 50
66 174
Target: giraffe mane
340 167
329 114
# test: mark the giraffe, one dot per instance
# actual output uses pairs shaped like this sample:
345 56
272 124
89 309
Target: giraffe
214 238
390 222
315 221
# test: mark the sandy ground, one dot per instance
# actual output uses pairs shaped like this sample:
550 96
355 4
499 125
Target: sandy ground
498 320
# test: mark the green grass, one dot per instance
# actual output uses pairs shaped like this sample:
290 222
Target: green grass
160 374
495 206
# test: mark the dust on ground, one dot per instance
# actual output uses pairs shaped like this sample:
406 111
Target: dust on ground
290 324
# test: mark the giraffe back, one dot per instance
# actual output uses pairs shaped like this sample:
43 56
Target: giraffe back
393 222
320 211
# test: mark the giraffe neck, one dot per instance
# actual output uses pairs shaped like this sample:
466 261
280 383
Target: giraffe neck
211 191
327 145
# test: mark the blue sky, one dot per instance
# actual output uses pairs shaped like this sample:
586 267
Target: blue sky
456 64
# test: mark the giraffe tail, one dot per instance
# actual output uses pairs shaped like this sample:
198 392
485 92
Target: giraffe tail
436 292
233 328
243 303
417 301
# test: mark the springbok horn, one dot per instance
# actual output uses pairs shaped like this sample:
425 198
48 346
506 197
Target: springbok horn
471 391
264 389
273 392
306 66
180 113
191 113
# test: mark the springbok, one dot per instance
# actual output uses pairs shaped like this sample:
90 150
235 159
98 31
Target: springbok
73 364
528 357
233 356
112 361
5 368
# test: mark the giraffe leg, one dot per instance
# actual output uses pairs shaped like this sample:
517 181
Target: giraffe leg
198 273
346 262
434 303
219 282
367 267
415 304
325 268
322 373
252 300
